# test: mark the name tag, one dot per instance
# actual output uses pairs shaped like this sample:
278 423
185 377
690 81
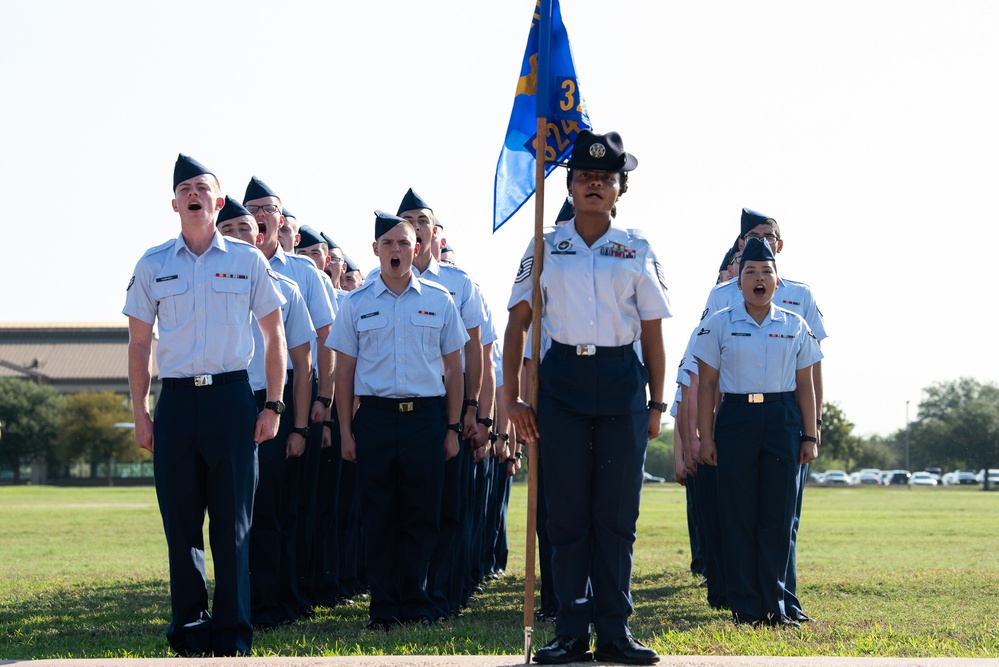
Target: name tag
166 278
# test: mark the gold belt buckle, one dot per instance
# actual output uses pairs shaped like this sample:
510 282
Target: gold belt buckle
755 398
202 380
586 350
406 407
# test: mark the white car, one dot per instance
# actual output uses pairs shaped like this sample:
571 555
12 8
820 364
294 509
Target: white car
922 479
837 477
993 476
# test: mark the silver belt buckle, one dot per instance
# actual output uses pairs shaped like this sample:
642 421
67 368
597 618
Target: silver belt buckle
755 398
586 350
202 380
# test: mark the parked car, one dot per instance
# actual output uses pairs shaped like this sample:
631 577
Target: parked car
993 476
867 477
962 477
897 477
922 479
652 479
837 477
817 477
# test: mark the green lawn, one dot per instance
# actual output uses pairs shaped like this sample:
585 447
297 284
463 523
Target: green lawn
885 571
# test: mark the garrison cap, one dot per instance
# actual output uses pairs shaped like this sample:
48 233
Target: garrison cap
386 221
351 266
411 202
257 189
756 250
232 209
308 237
751 218
600 152
187 167
329 241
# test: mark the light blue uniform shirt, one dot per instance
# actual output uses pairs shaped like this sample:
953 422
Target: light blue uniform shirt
498 363
203 305
790 294
398 341
304 273
756 358
595 295
298 330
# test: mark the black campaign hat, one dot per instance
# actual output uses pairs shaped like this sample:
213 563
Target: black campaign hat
411 202
187 167
600 152
308 237
385 221
757 250
232 209
257 189
751 218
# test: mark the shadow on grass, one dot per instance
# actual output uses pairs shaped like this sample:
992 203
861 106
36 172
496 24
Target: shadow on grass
120 619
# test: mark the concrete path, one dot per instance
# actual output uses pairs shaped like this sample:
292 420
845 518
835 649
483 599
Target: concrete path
503 661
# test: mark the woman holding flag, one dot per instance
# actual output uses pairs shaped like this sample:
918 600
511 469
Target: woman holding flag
603 291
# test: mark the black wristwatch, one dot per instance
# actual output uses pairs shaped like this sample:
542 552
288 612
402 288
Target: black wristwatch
325 401
505 437
304 431
486 421
456 427
808 438
329 425
661 407
276 406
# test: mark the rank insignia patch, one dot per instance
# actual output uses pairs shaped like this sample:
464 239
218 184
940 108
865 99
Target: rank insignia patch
525 270
130 283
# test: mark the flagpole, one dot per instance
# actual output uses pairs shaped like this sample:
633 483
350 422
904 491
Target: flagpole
540 145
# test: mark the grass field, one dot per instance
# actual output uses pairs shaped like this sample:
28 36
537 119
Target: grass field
885 571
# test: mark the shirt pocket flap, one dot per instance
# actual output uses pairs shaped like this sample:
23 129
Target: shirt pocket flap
230 285
372 322
168 288
424 318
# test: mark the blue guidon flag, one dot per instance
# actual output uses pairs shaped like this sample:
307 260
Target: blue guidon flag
566 116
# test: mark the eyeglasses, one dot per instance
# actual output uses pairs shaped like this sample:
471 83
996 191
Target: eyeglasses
268 208
335 260
770 238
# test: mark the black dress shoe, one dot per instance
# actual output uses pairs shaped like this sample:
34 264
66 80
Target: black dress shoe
776 621
627 650
564 650
377 625
800 616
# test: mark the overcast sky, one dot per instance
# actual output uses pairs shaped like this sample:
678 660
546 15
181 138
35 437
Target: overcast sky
867 129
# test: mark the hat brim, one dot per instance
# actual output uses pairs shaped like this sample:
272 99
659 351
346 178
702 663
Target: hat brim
630 163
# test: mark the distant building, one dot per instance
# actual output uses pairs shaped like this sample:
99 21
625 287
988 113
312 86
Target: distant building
70 356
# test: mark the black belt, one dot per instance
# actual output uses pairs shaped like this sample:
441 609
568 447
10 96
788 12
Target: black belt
402 404
589 350
758 398
204 380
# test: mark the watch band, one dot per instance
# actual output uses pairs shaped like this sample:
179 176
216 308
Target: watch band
808 438
276 406
485 421
303 431
661 407
325 401
456 427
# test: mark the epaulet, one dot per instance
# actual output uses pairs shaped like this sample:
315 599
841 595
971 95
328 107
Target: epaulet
795 282
159 248
230 239
435 285
636 233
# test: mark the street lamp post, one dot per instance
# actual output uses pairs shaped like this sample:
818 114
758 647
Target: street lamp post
907 435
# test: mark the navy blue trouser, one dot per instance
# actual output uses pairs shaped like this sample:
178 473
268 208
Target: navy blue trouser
269 534
791 603
758 468
400 469
326 583
205 459
348 530
706 488
549 604
693 526
593 423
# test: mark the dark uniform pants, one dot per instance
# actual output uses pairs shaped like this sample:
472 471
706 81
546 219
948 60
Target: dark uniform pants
706 488
593 424
758 469
400 469
205 458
